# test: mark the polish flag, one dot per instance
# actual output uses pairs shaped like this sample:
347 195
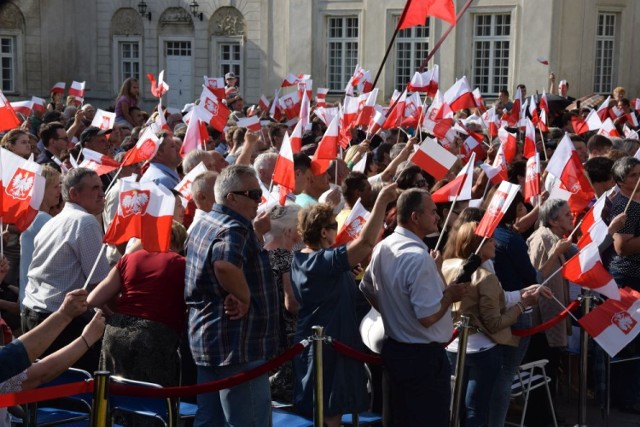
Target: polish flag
509 144
305 110
426 82
103 119
415 12
459 188
77 89
513 116
275 111
496 172
615 112
263 103
632 120
97 162
542 60
216 86
433 158
321 96
498 206
593 227
376 124
305 86
459 95
184 187
603 109
586 269
348 115
566 166
23 107
529 149
39 104
290 105
296 138
533 110
361 80
145 211
8 118
636 104
58 88
532 178
145 149
160 87
629 133
326 114
327 149
212 111
477 97
361 166
292 80
366 108
22 189
352 225
197 135
543 123
471 146
395 114
544 104
161 122
493 122
251 123
608 129
592 122
412 111
614 324
283 173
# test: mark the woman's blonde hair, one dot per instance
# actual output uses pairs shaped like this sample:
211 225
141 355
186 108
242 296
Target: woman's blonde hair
178 237
464 241
10 138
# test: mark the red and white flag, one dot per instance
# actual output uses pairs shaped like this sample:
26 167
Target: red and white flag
586 269
197 135
326 114
614 324
305 86
459 96
283 173
103 119
295 138
184 187
321 96
352 225
496 172
632 120
529 149
433 158
533 110
8 118
566 166
498 206
604 110
415 12
477 96
327 149
542 60
97 162
591 122
532 178
251 123
292 80
77 89
426 82
305 110
366 108
160 124
145 149
58 87
160 87
459 188
263 103
275 111
361 80
509 144
396 113
290 105
544 103
23 107
22 189
212 111
593 227
472 146
513 116
412 111
39 104
630 133
145 211
491 119
361 166
216 86
608 129
376 123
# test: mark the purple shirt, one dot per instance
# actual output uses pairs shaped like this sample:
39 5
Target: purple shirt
131 102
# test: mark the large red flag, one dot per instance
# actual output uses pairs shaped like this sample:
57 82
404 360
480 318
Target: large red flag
145 211
352 225
283 173
498 206
146 147
434 158
212 111
586 269
8 118
416 12
160 87
327 149
459 188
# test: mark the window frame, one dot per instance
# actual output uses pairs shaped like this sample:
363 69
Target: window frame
600 63
413 40
117 61
347 71
492 89
216 64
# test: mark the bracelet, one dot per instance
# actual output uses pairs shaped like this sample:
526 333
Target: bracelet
521 305
85 341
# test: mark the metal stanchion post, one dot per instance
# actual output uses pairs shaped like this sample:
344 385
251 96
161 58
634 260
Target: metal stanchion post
584 350
100 405
318 407
459 372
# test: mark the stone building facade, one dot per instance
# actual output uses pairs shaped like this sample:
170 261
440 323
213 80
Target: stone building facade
590 43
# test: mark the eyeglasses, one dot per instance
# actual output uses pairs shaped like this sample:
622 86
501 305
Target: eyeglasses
255 195
332 226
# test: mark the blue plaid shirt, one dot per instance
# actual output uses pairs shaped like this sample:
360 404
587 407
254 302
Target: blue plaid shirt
215 339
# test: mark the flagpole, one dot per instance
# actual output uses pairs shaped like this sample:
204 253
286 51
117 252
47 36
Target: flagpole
632 195
546 158
446 221
486 188
386 54
480 245
575 229
95 265
1 237
113 180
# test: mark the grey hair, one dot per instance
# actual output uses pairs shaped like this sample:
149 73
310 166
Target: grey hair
204 182
230 179
265 161
622 167
73 179
549 211
283 218
192 159
630 146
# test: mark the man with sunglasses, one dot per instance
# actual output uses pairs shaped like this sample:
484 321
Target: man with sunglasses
55 141
233 302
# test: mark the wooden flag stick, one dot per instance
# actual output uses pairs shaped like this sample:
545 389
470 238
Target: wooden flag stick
544 151
446 221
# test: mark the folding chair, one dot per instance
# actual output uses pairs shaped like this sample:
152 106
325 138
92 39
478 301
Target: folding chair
65 410
531 376
364 418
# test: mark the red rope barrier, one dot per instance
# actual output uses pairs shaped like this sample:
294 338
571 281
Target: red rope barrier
454 335
355 354
45 393
209 387
549 323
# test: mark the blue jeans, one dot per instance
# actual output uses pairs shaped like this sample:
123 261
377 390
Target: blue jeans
511 359
480 370
245 405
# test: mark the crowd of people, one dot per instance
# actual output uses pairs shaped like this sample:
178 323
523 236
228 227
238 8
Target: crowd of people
246 276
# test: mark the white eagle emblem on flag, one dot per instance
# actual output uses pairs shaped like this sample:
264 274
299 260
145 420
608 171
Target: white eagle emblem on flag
21 184
134 202
624 321
211 106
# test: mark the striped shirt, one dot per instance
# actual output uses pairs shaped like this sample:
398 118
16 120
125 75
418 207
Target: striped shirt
215 339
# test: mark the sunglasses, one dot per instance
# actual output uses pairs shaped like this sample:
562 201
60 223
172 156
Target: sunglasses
255 195
332 226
